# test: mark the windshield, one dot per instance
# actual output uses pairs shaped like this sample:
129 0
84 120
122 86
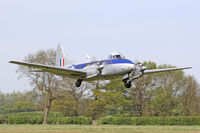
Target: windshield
116 56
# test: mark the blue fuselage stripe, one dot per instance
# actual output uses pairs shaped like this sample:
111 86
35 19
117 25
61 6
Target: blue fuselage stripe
113 61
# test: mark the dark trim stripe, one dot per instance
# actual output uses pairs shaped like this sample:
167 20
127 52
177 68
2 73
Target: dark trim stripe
113 61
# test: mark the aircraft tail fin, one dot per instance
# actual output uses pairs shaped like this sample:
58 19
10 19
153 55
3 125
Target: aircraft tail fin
61 58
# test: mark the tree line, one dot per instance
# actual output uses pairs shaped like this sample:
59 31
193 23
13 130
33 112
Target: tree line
162 94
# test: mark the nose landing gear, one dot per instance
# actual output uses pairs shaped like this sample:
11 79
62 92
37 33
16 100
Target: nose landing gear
79 82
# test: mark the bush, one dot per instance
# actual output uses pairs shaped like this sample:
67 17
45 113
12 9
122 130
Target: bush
33 117
52 121
66 120
24 120
39 113
106 120
18 120
122 121
38 120
151 120
57 118
76 120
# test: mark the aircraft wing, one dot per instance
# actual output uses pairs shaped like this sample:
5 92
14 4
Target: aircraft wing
64 72
164 70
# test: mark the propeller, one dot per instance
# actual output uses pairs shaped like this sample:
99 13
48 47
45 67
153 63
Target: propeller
100 67
139 66
137 71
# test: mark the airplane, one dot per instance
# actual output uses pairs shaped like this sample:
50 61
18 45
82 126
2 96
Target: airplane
116 65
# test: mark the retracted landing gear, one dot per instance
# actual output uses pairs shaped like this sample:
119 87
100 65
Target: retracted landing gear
79 82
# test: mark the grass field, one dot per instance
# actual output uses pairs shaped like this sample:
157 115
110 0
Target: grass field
96 129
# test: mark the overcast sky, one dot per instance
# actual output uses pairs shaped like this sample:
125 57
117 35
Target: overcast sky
165 31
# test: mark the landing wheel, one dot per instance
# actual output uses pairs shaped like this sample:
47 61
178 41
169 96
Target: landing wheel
127 85
79 82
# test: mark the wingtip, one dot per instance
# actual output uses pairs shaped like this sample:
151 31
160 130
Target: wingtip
13 62
187 67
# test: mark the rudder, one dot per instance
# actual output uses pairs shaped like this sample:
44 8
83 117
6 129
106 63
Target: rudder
60 56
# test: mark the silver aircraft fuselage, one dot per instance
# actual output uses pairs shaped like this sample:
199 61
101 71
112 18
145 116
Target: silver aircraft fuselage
105 69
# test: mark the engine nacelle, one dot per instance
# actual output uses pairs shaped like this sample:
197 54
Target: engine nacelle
137 72
93 70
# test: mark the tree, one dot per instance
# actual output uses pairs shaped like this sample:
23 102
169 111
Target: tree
119 104
157 94
73 101
96 102
168 86
18 102
106 98
138 94
24 106
46 84
190 97
141 93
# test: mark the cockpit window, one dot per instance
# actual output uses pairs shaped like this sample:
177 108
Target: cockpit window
116 56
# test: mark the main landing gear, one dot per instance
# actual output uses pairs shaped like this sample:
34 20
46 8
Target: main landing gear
127 84
79 82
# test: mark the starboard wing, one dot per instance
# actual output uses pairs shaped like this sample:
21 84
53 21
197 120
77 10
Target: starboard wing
164 70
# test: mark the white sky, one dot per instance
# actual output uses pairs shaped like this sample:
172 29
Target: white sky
165 31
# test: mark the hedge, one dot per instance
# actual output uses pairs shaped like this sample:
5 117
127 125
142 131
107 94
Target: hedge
184 120
25 120
38 120
39 113
57 118
33 117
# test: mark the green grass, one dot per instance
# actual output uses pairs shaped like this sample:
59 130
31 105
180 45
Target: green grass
96 129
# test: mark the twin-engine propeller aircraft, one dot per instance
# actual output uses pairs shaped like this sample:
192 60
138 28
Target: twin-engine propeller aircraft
116 65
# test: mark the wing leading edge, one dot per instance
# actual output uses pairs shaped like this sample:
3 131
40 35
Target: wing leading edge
164 70
65 72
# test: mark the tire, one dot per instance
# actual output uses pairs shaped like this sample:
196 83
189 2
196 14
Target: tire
127 85
78 82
